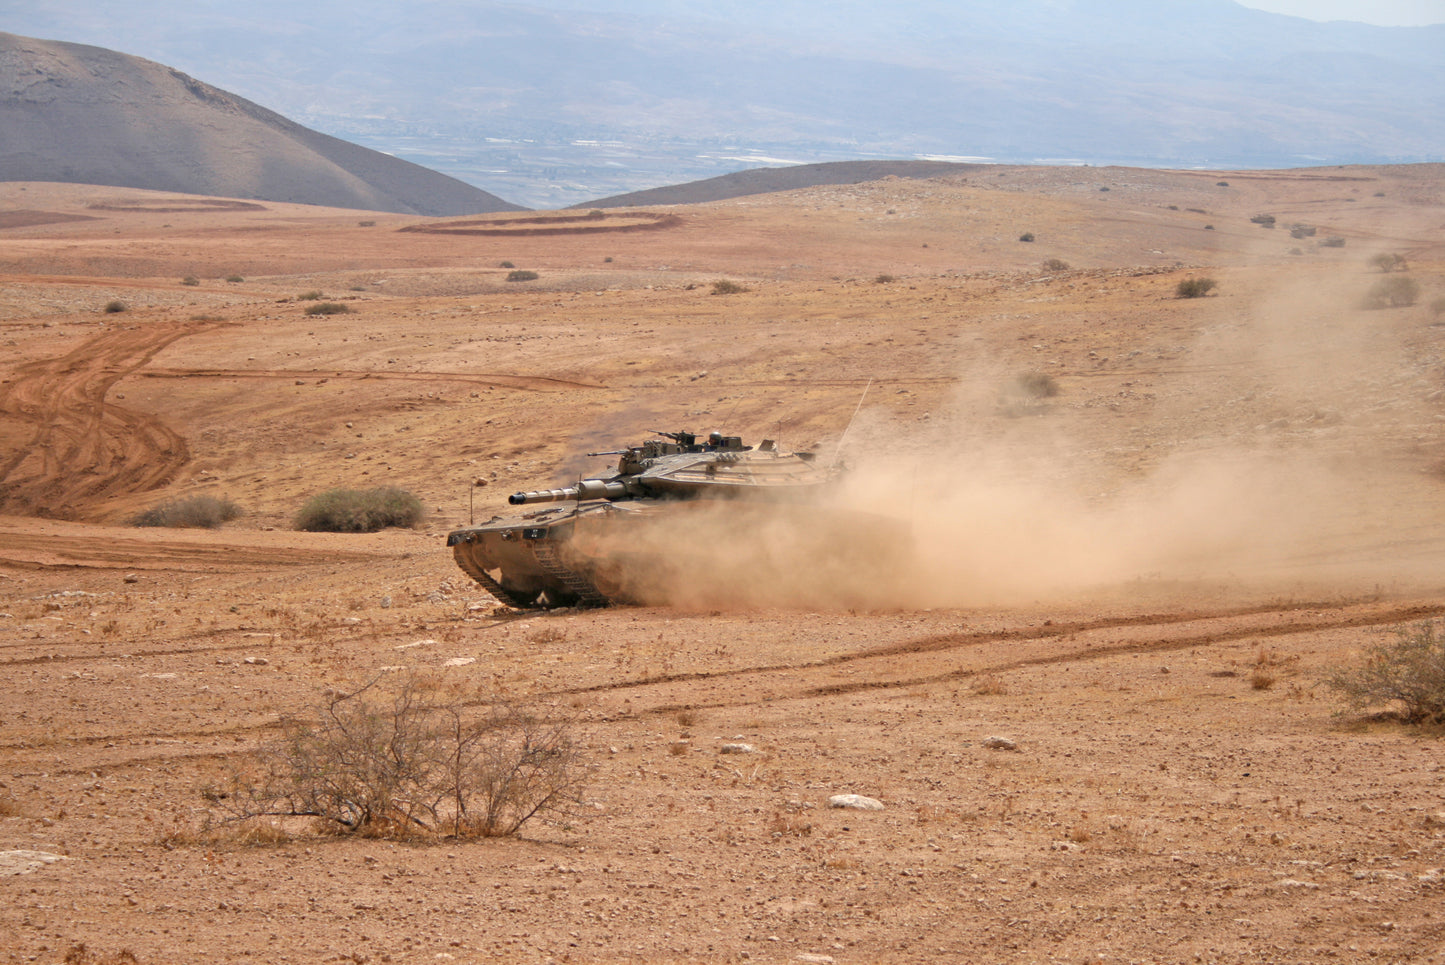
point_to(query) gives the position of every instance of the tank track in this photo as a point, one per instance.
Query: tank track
(586, 591)
(493, 587)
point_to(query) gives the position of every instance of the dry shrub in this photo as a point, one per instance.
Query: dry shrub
(990, 685)
(1034, 385)
(10, 808)
(1394, 292)
(726, 287)
(1408, 674)
(403, 761)
(204, 512)
(789, 825)
(80, 955)
(1195, 287)
(359, 511)
(328, 308)
(522, 274)
(1262, 678)
(1055, 264)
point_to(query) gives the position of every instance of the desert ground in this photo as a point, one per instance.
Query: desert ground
(1138, 584)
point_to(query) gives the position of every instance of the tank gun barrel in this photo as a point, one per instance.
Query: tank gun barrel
(586, 489)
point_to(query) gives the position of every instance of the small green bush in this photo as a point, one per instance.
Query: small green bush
(522, 274)
(327, 308)
(884, 279)
(506, 264)
(359, 511)
(1026, 236)
(726, 287)
(194, 512)
(310, 296)
(1408, 674)
(1333, 242)
(190, 280)
(234, 278)
(1263, 220)
(1194, 287)
(115, 307)
(1395, 292)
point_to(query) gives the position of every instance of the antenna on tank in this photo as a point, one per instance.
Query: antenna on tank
(839, 450)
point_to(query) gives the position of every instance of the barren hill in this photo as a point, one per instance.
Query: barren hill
(88, 115)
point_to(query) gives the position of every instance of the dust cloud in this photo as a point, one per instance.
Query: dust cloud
(1281, 454)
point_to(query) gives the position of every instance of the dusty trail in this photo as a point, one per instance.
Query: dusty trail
(80, 448)
(953, 657)
(525, 383)
(924, 661)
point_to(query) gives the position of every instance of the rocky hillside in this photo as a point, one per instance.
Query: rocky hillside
(88, 115)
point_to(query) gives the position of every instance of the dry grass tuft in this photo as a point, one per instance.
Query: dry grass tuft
(80, 955)
(990, 685)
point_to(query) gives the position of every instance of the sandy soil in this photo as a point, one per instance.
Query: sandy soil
(1139, 582)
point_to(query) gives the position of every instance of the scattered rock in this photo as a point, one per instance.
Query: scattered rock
(258, 661)
(459, 661)
(1000, 744)
(737, 749)
(130, 578)
(24, 862)
(386, 602)
(856, 802)
(810, 957)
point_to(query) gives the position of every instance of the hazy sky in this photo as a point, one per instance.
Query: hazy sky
(1389, 13)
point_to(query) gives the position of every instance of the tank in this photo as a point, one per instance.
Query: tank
(617, 538)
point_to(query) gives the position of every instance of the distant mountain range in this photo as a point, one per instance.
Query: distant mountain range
(552, 102)
(84, 114)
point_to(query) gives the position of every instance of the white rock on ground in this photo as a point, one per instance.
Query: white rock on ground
(855, 801)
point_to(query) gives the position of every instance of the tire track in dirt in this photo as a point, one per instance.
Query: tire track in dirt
(808, 681)
(531, 383)
(805, 680)
(51, 551)
(80, 448)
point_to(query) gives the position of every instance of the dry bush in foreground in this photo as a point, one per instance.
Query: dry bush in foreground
(359, 511)
(206, 512)
(1408, 673)
(404, 761)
